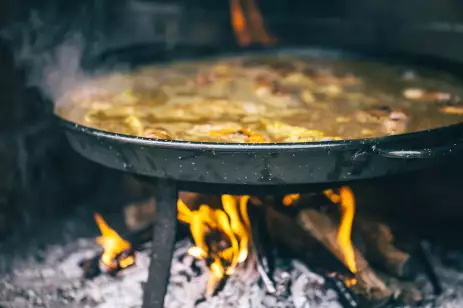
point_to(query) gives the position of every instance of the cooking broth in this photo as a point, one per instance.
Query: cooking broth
(260, 98)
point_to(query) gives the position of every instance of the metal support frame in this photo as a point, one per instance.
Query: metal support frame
(163, 243)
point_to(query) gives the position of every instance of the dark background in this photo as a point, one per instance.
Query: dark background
(42, 178)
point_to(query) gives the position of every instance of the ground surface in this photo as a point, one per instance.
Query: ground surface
(41, 270)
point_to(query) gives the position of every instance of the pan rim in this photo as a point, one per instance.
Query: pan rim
(246, 147)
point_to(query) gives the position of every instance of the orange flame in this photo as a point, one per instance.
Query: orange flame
(346, 200)
(241, 27)
(113, 245)
(290, 199)
(220, 236)
(239, 23)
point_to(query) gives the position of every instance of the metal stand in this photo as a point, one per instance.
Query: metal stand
(163, 243)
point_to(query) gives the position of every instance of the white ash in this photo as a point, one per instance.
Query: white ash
(57, 282)
(51, 277)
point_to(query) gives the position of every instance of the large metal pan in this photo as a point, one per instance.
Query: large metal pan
(264, 164)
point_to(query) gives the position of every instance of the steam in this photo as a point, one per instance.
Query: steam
(51, 49)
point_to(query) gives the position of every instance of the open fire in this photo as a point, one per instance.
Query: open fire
(222, 235)
(248, 23)
(117, 252)
(270, 248)
(232, 239)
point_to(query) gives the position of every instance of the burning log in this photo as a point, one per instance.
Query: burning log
(428, 265)
(118, 250)
(405, 293)
(367, 284)
(381, 251)
(310, 230)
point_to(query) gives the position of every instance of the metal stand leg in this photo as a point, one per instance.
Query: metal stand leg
(164, 231)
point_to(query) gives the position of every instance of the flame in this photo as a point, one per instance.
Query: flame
(239, 23)
(258, 22)
(113, 246)
(221, 236)
(241, 27)
(330, 194)
(290, 199)
(350, 282)
(346, 200)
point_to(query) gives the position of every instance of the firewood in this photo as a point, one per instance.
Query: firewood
(428, 266)
(405, 293)
(409, 294)
(262, 247)
(382, 253)
(140, 214)
(310, 229)
(320, 226)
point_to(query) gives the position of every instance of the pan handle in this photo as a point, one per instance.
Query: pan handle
(436, 152)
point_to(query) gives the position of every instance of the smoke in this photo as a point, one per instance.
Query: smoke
(50, 46)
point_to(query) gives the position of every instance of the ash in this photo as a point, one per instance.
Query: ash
(44, 272)
(56, 282)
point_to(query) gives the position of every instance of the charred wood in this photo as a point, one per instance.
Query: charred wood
(405, 293)
(311, 236)
(92, 267)
(381, 252)
(428, 264)
(262, 247)
(345, 295)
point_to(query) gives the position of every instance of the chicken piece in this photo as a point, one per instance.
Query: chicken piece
(396, 123)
